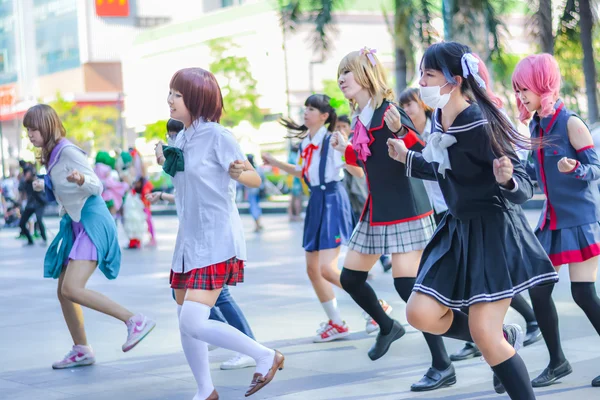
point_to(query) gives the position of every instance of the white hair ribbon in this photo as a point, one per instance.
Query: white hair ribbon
(470, 65)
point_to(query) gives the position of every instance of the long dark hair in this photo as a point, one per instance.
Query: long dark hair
(446, 57)
(322, 103)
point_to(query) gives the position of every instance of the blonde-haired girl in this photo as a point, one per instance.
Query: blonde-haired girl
(397, 217)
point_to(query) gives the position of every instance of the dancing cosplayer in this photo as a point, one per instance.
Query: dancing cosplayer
(397, 217)
(328, 222)
(484, 251)
(567, 169)
(205, 162)
(87, 237)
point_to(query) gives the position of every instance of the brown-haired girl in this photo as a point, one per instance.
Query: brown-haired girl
(397, 217)
(210, 250)
(87, 237)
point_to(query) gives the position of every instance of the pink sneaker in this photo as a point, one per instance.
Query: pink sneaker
(138, 327)
(79, 356)
(371, 325)
(330, 331)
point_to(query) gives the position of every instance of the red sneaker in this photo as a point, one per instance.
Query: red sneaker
(330, 331)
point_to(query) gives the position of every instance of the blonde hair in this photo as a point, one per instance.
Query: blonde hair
(43, 118)
(369, 76)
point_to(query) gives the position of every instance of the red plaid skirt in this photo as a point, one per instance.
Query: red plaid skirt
(212, 277)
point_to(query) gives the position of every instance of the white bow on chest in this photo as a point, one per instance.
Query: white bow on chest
(436, 150)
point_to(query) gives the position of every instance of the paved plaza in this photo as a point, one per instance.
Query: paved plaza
(283, 311)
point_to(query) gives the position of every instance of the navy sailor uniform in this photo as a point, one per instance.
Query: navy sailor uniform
(569, 227)
(329, 220)
(484, 249)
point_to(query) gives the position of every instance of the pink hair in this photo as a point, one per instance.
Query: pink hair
(485, 75)
(540, 74)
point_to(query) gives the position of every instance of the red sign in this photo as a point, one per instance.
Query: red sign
(8, 94)
(112, 8)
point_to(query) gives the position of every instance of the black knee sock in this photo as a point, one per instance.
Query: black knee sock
(439, 355)
(355, 283)
(515, 378)
(460, 327)
(522, 307)
(547, 319)
(584, 294)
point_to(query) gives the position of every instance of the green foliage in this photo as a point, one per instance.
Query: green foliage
(331, 89)
(90, 127)
(238, 86)
(502, 66)
(156, 131)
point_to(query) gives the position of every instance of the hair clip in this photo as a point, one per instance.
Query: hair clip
(369, 53)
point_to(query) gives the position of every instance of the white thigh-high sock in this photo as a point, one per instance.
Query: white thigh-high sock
(195, 323)
(332, 311)
(196, 354)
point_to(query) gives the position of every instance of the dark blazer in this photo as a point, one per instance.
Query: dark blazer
(393, 197)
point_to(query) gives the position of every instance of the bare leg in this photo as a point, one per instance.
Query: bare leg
(73, 289)
(73, 315)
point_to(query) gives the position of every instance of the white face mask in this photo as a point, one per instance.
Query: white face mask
(432, 97)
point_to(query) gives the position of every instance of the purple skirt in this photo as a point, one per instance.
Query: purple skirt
(83, 248)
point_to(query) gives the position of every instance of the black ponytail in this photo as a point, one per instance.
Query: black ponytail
(447, 58)
(322, 103)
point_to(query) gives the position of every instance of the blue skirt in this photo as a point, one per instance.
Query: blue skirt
(329, 220)
(570, 245)
(482, 259)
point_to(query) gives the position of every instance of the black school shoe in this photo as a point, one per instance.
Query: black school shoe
(383, 342)
(596, 381)
(551, 375)
(469, 351)
(533, 334)
(435, 379)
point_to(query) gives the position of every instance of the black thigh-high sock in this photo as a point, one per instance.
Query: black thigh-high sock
(355, 283)
(584, 294)
(547, 319)
(515, 378)
(439, 355)
(522, 307)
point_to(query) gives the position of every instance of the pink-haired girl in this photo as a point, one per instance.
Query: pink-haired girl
(566, 169)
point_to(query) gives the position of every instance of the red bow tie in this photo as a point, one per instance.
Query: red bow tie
(307, 154)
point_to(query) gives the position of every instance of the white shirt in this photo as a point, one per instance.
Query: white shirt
(70, 196)
(365, 116)
(334, 167)
(436, 198)
(210, 227)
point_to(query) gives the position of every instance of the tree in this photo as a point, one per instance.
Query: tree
(237, 84)
(408, 14)
(157, 130)
(575, 39)
(586, 26)
(90, 127)
(540, 24)
(331, 89)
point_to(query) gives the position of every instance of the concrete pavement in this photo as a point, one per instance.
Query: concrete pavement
(283, 312)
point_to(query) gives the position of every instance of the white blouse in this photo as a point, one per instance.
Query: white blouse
(70, 196)
(334, 167)
(210, 228)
